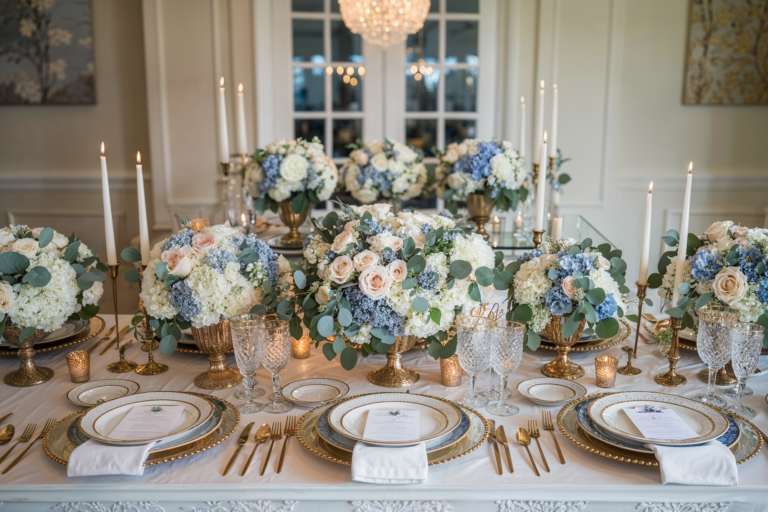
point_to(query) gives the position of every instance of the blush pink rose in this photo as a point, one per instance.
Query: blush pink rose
(568, 287)
(179, 262)
(365, 259)
(739, 231)
(398, 271)
(340, 269)
(375, 282)
(341, 241)
(204, 242)
(603, 263)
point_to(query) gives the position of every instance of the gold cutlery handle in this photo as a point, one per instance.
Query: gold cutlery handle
(282, 455)
(6, 417)
(559, 453)
(498, 457)
(16, 461)
(509, 458)
(6, 454)
(250, 458)
(535, 469)
(543, 458)
(266, 461)
(232, 460)
(108, 346)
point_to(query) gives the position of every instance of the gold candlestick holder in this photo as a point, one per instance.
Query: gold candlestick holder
(552, 161)
(537, 235)
(671, 379)
(629, 369)
(149, 343)
(225, 168)
(535, 179)
(122, 366)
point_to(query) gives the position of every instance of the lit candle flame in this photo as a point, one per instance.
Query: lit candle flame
(495, 220)
(138, 158)
(545, 136)
(221, 83)
(542, 84)
(650, 189)
(240, 89)
(102, 149)
(522, 100)
(555, 87)
(242, 216)
(690, 168)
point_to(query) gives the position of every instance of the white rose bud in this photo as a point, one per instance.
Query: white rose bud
(380, 162)
(717, 231)
(6, 237)
(323, 296)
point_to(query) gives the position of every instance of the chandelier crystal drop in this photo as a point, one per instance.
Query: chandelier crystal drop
(384, 22)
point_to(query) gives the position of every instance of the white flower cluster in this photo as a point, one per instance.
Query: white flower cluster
(384, 170)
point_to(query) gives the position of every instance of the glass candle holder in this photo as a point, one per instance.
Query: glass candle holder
(300, 347)
(197, 225)
(450, 371)
(605, 371)
(79, 363)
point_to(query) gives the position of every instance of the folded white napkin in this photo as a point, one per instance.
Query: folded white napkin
(706, 464)
(380, 465)
(93, 458)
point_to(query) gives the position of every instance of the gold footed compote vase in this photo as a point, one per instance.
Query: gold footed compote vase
(562, 367)
(29, 374)
(394, 375)
(480, 212)
(293, 220)
(215, 340)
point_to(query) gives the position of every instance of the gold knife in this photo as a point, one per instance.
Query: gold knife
(106, 335)
(650, 317)
(118, 337)
(240, 443)
(11, 414)
(502, 438)
(492, 439)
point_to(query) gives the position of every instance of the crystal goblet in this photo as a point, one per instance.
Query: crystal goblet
(714, 346)
(275, 339)
(474, 349)
(507, 340)
(256, 392)
(746, 344)
(245, 340)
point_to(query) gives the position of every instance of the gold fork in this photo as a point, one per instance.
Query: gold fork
(25, 436)
(277, 434)
(48, 426)
(533, 428)
(104, 337)
(546, 423)
(290, 430)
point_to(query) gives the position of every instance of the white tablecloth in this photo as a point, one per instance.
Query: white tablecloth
(586, 482)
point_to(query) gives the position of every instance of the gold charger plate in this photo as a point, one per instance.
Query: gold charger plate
(748, 446)
(597, 344)
(95, 326)
(309, 438)
(59, 447)
(684, 343)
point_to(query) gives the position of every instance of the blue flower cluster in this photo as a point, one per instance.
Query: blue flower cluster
(330, 255)
(376, 312)
(748, 260)
(271, 167)
(374, 227)
(183, 299)
(426, 228)
(528, 256)
(607, 309)
(705, 266)
(268, 260)
(479, 165)
(179, 240)
(568, 264)
(445, 214)
(450, 237)
(219, 259)
(762, 290)
(388, 256)
(381, 180)
(557, 302)
(428, 280)
(307, 241)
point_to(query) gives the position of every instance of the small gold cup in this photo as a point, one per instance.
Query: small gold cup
(79, 363)
(300, 347)
(605, 371)
(450, 371)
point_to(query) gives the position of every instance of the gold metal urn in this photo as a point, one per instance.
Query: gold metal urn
(216, 341)
(293, 220)
(480, 212)
(393, 375)
(562, 367)
(29, 374)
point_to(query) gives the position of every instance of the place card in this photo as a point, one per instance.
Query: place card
(656, 422)
(392, 425)
(147, 422)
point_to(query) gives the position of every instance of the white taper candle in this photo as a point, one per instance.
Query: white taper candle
(540, 189)
(143, 228)
(539, 129)
(553, 128)
(682, 246)
(222, 118)
(521, 147)
(645, 250)
(242, 139)
(109, 229)
(557, 228)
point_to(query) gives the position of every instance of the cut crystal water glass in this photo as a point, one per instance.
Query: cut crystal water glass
(746, 345)
(474, 349)
(245, 340)
(714, 346)
(256, 392)
(507, 339)
(275, 339)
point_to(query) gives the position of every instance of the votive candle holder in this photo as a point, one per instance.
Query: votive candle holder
(197, 225)
(79, 363)
(605, 371)
(450, 371)
(300, 347)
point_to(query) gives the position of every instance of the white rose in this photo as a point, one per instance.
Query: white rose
(222, 231)
(6, 297)
(374, 146)
(383, 240)
(404, 153)
(396, 167)
(375, 282)
(323, 295)
(283, 266)
(26, 246)
(343, 239)
(603, 263)
(398, 271)
(359, 156)
(380, 162)
(179, 262)
(36, 233)
(281, 192)
(232, 271)
(730, 285)
(366, 195)
(340, 269)
(294, 167)
(462, 149)
(717, 231)
(451, 155)
(501, 166)
(350, 178)
(60, 241)
(6, 237)
(456, 180)
(365, 259)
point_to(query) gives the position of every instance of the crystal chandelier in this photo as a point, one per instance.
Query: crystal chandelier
(384, 22)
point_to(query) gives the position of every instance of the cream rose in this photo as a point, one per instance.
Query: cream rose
(718, 230)
(375, 282)
(59, 240)
(340, 269)
(603, 263)
(179, 262)
(398, 271)
(568, 287)
(739, 231)
(283, 265)
(404, 153)
(6, 237)
(365, 259)
(323, 295)
(350, 178)
(359, 156)
(26, 246)
(204, 242)
(6, 297)
(294, 167)
(380, 162)
(36, 233)
(343, 239)
(451, 155)
(730, 285)
(381, 241)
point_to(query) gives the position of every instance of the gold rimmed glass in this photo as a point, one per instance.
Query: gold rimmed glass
(245, 340)
(746, 344)
(275, 340)
(474, 349)
(714, 346)
(507, 341)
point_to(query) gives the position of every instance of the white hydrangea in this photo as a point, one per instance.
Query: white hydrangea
(93, 294)
(154, 294)
(531, 283)
(48, 307)
(281, 191)
(541, 317)
(363, 336)
(603, 279)
(749, 306)
(474, 250)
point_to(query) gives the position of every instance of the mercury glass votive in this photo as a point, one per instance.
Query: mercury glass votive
(450, 371)
(197, 225)
(300, 347)
(79, 363)
(605, 371)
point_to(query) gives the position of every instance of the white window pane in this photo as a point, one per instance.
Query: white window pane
(308, 89)
(461, 42)
(461, 90)
(345, 46)
(308, 41)
(347, 88)
(421, 133)
(423, 45)
(421, 90)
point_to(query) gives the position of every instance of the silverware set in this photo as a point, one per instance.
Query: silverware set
(264, 433)
(524, 437)
(28, 435)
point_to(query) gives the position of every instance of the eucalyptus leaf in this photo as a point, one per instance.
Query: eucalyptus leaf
(70, 253)
(449, 348)
(474, 292)
(325, 326)
(339, 345)
(328, 351)
(416, 264)
(348, 358)
(131, 255)
(607, 328)
(421, 304)
(12, 263)
(345, 317)
(46, 235)
(460, 269)
(300, 279)
(132, 276)
(435, 314)
(484, 276)
(38, 277)
(533, 340)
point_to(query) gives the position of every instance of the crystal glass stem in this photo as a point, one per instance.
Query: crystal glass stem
(503, 395)
(742, 384)
(276, 387)
(472, 379)
(711, 383)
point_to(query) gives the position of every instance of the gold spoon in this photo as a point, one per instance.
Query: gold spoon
(7, 434)
(524, 439)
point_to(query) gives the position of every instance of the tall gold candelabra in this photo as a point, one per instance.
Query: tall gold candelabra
(121, 366)
(671, 379)
(151, 367)
(629, 369)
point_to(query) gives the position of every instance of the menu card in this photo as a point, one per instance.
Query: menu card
(147, 422)
(656, 422)
(392, 425)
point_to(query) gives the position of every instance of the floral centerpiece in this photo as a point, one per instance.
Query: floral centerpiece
(384, 170)
(725, 266)
(370, 277)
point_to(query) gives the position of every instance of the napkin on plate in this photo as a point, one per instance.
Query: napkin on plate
(707, 464)
(382, 465)
(93, 458)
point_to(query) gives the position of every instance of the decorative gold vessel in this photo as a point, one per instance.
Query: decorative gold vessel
(29, 374)
(393, 375)
(293, 220)
(215, 341)
(562, 367)
(480, 212)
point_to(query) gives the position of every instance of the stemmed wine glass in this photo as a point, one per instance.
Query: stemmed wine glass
(275, 339)
(507, 339)
(746, 345)
(474, 349)
(255, 391)
(245, 340)
(714, 346)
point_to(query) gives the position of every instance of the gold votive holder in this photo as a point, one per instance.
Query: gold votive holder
(450, 371)
(605, 371)
(197, 225)
(79, 363)
(300, 347)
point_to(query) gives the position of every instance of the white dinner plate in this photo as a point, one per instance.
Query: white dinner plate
(101, 420)
(608, 413)
(100, 391)
(314, 392)
(69, 328)
(436, 418)
(551, 392)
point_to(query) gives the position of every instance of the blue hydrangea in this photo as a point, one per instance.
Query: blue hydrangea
(375, 312)
(748, 260)
(374, 227)
(380, 180)
(557, 302)
(450, 237)
(480, 164)
(445, 214)
(528, 256)
(388, 256)
(705, 266)
(179, 240)
(568, 264)
(762, 290)
(607, 309)
(219, 258)
(428, 280)
(307, 241)
(271, 167)
(268, 260)
(183, 299)
(426, 228)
